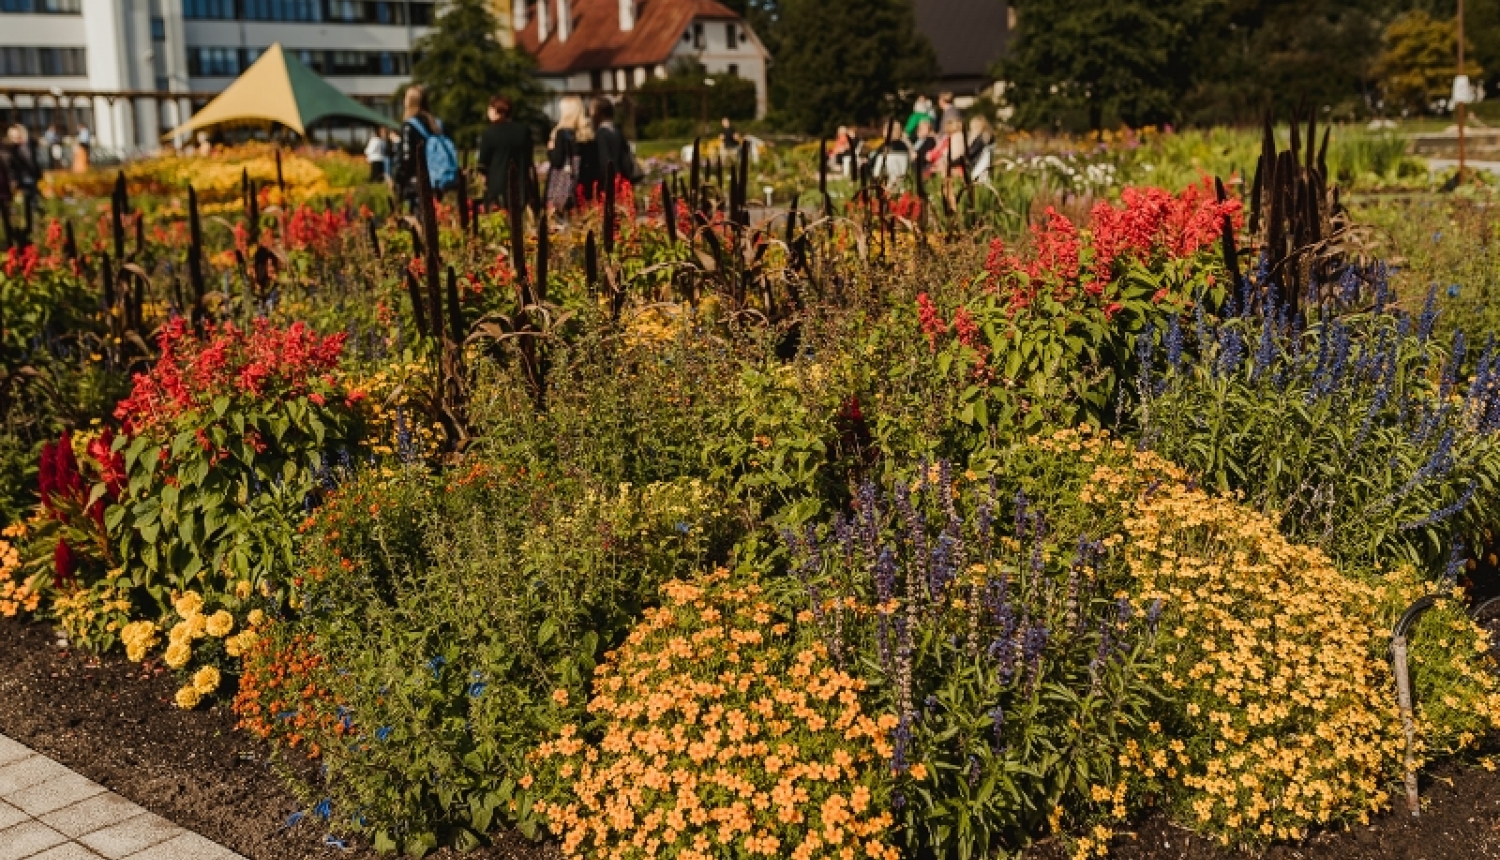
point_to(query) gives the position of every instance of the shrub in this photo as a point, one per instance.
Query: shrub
(1020, 682)
(714, 733)
(1280, 707)
(444, 613)
(225, 441)
(1355, 431)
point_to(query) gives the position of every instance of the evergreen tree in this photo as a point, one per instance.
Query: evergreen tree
(462, 65)
(846, 62)
(1116, 61)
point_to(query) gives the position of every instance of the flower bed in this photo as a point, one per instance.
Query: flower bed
(441, 535)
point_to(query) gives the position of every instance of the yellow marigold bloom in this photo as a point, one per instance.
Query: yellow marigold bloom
(206, 680)
(188, 603)
(178, 654)
(255, 618)
(243, 589)
(219, 624)
(188, 698)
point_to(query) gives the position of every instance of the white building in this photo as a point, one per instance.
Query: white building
(614, 46)
(363, 47)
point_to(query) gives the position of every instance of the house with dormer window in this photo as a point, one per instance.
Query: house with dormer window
(615, 46)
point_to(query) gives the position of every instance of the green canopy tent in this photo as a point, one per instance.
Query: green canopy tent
(278, 88)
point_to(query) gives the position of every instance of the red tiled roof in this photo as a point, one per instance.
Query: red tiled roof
(597, 42)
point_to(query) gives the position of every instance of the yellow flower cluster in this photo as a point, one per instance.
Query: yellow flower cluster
(390, 392)
(721, 737)
(86, 614)
(1271, 653)
(15, 596)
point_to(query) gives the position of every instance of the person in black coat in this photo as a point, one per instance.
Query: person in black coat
(613, 148)
(504, 144)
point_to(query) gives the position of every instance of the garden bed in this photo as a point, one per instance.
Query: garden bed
(114, 722)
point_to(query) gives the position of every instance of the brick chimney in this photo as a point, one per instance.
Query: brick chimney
(627, 15)
(564, 20)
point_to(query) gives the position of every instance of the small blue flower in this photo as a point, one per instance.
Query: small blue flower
(286, 715)
(324, 809)
(683, 528)
(293, 820)
(334, 842)
(382, 733)
(1453, 291)
(476, 689)
(436, 664)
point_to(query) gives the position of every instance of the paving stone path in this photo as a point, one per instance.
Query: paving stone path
(48, 812)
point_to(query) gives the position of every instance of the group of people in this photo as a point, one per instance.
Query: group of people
(935, 138)
(582, 146)
(941, 142)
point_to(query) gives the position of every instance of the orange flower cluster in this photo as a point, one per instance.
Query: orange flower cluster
(721, 736)
(280, 695)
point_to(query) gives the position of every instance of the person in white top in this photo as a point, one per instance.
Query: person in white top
(375, 153)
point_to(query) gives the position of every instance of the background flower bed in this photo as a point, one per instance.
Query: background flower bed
(408, 555)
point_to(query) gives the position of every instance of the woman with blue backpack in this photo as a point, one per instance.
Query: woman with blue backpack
(423, 132)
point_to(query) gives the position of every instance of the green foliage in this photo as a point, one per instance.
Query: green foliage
(218, 496)
(449, 611)
(839, 63)
(1122, 59)
(689, 94)
(462, 65)
(1018, 680)
(1358, 434)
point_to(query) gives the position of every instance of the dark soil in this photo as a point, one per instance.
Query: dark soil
(116, 724)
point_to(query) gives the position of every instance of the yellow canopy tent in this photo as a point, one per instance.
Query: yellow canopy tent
(278, 88)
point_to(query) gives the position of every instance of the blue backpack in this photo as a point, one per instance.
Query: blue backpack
(442, 157)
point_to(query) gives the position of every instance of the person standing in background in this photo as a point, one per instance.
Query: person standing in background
(947, 112)
(375, 154)
(613, 147)
(921, 110)
(24, 171)
(81, 150)
(571, 139)
(506, 144)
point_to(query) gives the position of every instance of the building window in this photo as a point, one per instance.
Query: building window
(158, 30)
(421, 14)
(698, 40)
(282, 10)
(44, 7)
(687, 36)
(214, 62)
(734, 70)
(596, 81)
(208, 10)
(731, 36)
(42, 62)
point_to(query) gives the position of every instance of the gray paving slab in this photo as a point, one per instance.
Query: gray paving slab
(26, 839)
(96, 813)
(27, 772)
(12, 750)
(54, 794)
(10, 816)
(66, 851)
(48, 812)
(188, 846)
(130, 837)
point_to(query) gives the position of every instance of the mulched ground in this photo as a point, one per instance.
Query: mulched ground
(118, 726)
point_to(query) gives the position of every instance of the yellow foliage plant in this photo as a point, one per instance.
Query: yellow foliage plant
(716, 733)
